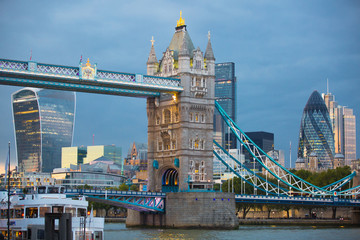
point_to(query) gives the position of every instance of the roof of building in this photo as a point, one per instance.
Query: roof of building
(315, 102)
(339, 155)
(300, 160)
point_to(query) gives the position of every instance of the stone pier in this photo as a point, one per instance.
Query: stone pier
(190, 210)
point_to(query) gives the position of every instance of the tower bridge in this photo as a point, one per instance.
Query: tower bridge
(180, 106)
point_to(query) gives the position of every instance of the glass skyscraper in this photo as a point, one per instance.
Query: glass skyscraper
(44, 123)
(344, 128)
(225, 94)
(316, 133)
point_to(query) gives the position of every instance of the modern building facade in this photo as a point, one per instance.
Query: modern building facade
(225, 94)
(316, 135)
(265, 141)
(44, 123)
(81, 155)
(343, 123)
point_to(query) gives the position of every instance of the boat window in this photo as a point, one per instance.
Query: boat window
(19, 213)
(4, 213)
(53, 190)
(40, 234)
(31, 212)
(44, 210)
(41, 190)
(62, 190)
(29, 233)
(98, 235)
(71, 210)
(81, 212)
(57, 209)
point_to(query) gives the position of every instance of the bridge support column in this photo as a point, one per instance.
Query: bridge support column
(355, 216)
(191, 210)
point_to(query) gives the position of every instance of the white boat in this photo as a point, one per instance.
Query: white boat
(27, 214)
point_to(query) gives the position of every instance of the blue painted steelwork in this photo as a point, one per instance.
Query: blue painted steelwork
(32, 74)
(247, 174)
(139, 201)
(279, 172)
(332, 201)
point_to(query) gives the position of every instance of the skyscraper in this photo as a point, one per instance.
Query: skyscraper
(344, 128)
(225, 94)
(44, 123)
(316, 132)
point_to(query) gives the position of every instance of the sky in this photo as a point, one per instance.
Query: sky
(282, 50)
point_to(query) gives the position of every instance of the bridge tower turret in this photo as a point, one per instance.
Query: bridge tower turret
(180, 127)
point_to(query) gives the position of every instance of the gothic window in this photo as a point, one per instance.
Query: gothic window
(173, 144)
(157, 120)
(190, 143)
(193, 81)
(196, 117)
(160, 145)
(203, 118)
(176, 117)
(192, 169)
(166, 143)
(201, 144)
(198, 82)
(202, 171)
(198, 64)
(191, 117)
(203, 82)
(165, 68)
(196, 143)
(167, 116)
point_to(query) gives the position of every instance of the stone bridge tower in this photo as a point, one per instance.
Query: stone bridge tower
(180, 127)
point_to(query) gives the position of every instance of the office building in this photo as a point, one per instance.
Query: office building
(263, 140)
(225, 94)
(44, 123)
(82, 155)
(316, 135)
(343, 123)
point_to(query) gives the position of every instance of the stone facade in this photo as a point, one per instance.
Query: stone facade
(189, 210)
(180, 127)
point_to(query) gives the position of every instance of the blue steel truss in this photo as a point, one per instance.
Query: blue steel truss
(32, 74)
(313, 201)
(139, 201)
(293, 182)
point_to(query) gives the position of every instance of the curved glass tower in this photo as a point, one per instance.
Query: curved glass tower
(44, 123)
(316, 133)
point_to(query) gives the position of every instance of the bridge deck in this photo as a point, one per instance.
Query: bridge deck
(32, 74)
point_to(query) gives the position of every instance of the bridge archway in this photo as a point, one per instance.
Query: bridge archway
(170, 180)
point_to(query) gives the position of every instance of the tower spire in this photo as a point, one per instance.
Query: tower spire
(327, 85)
(181, 21)
(209, 54)
(152, 56)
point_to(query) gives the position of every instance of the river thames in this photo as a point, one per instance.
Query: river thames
(115, 231)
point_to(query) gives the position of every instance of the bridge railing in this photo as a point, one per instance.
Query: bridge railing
(113, 192)
(36, 68)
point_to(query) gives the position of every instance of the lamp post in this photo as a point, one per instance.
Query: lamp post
(8, 212)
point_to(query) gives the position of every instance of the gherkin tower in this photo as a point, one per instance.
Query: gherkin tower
(316, 133)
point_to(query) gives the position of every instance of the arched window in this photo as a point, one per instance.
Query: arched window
(167, 116)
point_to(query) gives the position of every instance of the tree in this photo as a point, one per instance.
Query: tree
(134, 187)
(123, 187)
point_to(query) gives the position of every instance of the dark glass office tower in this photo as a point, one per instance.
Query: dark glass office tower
(263, 140)
(316, 133)
(44, 123)
(225, 94)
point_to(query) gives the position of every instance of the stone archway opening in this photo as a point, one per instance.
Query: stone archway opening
(170, 180)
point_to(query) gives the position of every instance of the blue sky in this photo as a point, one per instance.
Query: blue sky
(283, 50)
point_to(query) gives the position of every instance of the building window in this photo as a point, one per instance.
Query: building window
(157, 120)
(191, 117)
(173, 144)
(196, 117)
(167, 116)
(190, 143)
(160, 146)
(196, 144)
(203, 118)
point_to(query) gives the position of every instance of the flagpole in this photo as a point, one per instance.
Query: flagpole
(8, 212)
